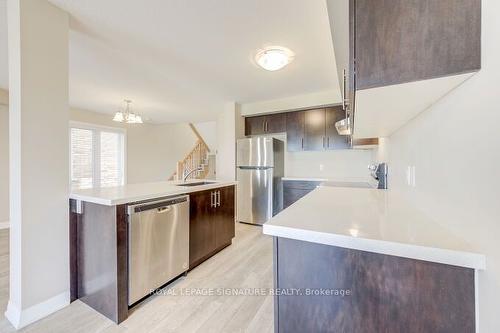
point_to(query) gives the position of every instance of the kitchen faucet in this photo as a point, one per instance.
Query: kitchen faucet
(186, 175)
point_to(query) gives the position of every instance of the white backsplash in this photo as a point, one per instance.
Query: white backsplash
(346, 165)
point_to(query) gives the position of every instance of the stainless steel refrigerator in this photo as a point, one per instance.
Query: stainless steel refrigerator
(260, 168)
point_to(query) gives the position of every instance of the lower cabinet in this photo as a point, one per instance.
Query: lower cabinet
(293, 190)
(211, 226)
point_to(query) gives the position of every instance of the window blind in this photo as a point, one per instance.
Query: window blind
(97, 157)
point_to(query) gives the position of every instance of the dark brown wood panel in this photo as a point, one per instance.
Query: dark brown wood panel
(314, 129)
(292, 195)
(73, 250)
(450, 37)
(276, 123)
(224, 217)
(398, 41)
(333, 139)
(122, 261)
(387, 293)
(102, 252)
(255, 125)
(211, 228)
(201, 226)
(301, 184)
(295, 130)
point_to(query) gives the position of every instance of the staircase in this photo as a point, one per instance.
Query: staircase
(197, 158)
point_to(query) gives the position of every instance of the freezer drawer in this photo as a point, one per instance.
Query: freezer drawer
(255, 195)
(158, 244)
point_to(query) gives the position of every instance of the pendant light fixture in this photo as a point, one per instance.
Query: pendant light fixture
(127, 116)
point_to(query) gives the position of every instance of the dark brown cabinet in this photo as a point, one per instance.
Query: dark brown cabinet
(428, 39)
(381, 44)
(314, 129)
(273, 123)
(211, 226)
(255, 125)
(224, 216)
(333, 139)
(295, 122)
(293, 190)
(276, 123)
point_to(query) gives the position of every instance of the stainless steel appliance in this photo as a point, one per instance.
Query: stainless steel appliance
(379, 172)
(158, 244)
(260, 167)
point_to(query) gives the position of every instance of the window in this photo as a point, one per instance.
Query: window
(97, 156)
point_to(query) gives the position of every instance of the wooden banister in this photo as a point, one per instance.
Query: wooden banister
(200, 138)
(196, 158)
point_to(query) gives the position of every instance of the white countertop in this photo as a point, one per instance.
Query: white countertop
(335, 182)
(371, 220)
(306, 179)
(111, 196)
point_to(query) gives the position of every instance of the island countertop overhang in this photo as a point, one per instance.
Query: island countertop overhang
(375, 221)
(119, 195)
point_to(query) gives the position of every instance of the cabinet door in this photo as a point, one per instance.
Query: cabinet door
(275, 123)
(314, 137)
(333, 139)
(255, 125)
(224, 216)
(295, 131)
(201, 226)
(426, 39)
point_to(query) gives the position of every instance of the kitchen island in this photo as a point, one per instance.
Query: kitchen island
(364, 260)
(101, 237)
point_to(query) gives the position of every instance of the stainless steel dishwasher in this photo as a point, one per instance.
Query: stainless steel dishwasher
(158, 244)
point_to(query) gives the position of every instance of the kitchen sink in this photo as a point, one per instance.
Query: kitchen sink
(196, 184)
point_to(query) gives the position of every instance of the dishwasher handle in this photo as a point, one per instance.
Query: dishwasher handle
(162, 206)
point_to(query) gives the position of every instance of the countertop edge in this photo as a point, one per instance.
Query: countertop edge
(431, 254)
(122, 201)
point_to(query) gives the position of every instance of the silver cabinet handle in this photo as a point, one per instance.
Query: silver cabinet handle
(328, 142)
(218, 198)
(302, 143)
(323, 142)
(212, 199)
(263, 126)
(267, 126)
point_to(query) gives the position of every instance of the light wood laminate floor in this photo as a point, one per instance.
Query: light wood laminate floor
(245, 266)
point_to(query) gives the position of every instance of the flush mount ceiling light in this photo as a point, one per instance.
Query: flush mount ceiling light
(274, 58)
(127, 116)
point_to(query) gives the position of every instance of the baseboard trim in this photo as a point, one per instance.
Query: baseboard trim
(20, 319)
(4, 225)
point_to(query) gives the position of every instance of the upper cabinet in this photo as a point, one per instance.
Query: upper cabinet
(396, 58)
(268, 124)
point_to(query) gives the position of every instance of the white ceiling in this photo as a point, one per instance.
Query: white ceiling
(181, 60)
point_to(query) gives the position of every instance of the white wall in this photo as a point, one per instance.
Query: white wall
(208, 131)
(4, 163)
(455, 148)
(39, 155)
(316, 99)
(153, 151)
(343, 165)
(230, 127)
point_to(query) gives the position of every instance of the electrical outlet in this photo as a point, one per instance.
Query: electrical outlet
(413, 176)
(408, 175)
